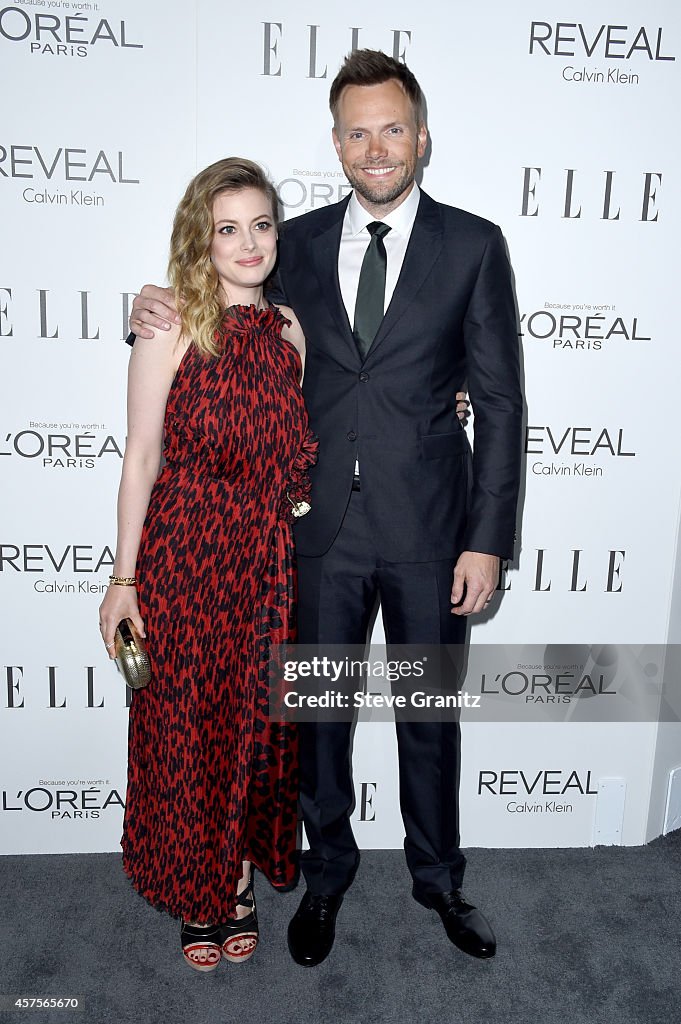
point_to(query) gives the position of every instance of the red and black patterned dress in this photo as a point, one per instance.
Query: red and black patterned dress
(211, 781)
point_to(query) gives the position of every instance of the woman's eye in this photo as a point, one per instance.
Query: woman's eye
(263, 225)
(227, 229)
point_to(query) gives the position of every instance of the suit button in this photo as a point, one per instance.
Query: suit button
(352, 436)
(364, 376)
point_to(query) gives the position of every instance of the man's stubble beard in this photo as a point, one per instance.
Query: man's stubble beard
(381, 195)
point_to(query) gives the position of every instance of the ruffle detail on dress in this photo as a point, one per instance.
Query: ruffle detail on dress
(296, 500)
(241, 319)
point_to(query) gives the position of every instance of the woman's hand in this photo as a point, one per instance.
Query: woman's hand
(119, 603)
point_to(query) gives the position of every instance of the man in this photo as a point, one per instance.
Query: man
(401, 299)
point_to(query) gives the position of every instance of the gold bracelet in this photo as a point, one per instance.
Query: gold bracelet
(123, 581)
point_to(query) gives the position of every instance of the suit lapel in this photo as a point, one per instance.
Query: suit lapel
(425, 245)
(324, 249)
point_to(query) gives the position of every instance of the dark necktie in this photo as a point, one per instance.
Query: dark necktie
(371, 289)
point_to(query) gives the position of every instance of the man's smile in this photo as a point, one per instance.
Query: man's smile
(377, 172)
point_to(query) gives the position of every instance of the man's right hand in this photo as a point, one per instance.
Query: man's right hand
(153, 307)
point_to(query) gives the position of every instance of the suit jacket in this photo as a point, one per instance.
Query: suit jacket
(451, 320)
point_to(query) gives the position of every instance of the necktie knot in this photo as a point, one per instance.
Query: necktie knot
(378, 228)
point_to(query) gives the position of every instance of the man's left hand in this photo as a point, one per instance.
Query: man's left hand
(476, 575)
(463, 407)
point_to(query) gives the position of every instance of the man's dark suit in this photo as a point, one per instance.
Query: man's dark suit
(424, 498)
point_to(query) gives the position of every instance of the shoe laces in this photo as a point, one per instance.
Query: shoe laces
(319, 905)
(456, 898)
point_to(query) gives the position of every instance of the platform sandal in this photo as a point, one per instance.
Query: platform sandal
(239, 935)
(201, 945)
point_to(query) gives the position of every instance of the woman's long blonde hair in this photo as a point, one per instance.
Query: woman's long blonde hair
(190, 270)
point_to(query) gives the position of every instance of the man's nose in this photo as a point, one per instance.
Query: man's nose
(376, 147)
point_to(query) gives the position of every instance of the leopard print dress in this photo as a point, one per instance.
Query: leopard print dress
(211, 780)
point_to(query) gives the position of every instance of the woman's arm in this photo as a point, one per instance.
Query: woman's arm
(153, 364)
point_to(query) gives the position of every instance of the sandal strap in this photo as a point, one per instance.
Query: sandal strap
(192, 934)
(238, 929)
(246, 898)
(235, 925)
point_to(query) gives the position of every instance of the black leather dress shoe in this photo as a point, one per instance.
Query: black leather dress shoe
(313, 928)
(465, 925)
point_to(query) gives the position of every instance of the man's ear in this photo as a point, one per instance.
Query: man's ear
(336, 143)
(422, 138)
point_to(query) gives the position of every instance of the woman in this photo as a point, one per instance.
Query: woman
(212, 782)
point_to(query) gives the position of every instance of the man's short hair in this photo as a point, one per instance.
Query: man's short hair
(372, 67)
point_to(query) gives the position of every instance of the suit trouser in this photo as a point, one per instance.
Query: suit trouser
(337, 594)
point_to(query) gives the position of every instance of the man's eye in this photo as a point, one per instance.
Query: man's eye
(395, 131)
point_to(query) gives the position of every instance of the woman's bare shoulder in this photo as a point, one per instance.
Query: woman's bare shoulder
(165, 346)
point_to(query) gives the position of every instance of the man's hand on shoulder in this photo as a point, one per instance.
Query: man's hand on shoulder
(475, 579)
(153, 307)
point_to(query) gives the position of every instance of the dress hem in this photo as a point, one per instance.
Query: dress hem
(171, 907)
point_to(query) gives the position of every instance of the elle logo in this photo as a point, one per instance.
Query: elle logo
(54, 697)
(572, 205)
(273, 38)
(545, 565)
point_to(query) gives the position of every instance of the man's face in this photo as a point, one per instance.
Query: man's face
(378, 142)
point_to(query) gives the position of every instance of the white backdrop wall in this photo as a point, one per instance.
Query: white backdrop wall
(560, 132)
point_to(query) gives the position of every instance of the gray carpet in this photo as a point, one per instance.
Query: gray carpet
(584, 936)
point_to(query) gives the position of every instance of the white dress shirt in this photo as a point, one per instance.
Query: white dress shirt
(354, 242)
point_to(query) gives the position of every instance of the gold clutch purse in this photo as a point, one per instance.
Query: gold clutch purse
(131, 655)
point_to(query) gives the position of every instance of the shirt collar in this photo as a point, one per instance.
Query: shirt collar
(401, 220)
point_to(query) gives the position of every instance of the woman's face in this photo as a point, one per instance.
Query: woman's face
(244, 248)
